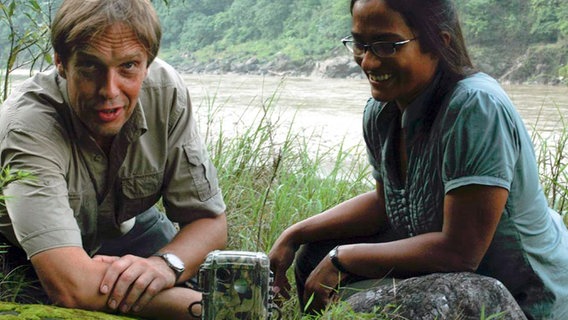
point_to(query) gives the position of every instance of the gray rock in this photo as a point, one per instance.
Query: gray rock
(342, 66)
(441, 296)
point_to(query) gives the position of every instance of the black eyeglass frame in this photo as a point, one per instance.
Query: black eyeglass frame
(393, 44)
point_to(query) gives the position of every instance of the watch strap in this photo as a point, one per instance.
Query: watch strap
(333, 256)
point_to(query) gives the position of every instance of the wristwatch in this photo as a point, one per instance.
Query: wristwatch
(335, 260)
(173, 262)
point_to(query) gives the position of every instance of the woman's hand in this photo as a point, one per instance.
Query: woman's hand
(322, 286)
(281, 257)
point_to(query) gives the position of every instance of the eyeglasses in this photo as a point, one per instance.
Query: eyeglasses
(381, 49)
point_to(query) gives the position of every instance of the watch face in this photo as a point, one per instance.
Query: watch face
(174, 261)
(333, 253)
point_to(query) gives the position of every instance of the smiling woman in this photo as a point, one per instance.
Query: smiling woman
(457, 185)
(401, 75)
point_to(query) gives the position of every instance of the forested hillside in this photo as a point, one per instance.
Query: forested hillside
(519, 40)
(514, 40)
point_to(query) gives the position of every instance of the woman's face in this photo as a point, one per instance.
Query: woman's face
(402, 76)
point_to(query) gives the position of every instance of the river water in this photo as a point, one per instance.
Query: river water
(330, 110)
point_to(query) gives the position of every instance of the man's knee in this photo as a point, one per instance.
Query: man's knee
(151, 232)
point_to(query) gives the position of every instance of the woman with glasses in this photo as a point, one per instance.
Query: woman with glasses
(457, 187)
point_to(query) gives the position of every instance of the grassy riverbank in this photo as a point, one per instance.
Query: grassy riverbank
(270, 184)
(272, 177)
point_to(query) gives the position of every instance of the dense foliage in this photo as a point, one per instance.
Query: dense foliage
(498, 32)
(313, 27)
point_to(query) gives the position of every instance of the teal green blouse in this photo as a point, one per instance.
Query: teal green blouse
(475, 136)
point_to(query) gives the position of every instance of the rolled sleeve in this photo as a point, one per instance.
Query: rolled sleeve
(483, 145)
(38, 207)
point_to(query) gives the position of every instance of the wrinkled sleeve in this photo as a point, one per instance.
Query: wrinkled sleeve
(38, 206)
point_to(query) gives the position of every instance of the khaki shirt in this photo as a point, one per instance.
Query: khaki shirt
(78, 196)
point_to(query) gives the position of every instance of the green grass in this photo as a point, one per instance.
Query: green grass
(272, 177)
(11, 281)
(552, 156)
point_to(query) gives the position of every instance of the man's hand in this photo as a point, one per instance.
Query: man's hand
(133, 281)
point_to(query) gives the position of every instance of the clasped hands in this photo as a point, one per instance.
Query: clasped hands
(131, 281)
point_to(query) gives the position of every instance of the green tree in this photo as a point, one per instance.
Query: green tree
(203, 30)
(270, 16)
(192, 21)
(25, 37)
(546, 20)
(238, 23)
(563, 20)
(496, 23)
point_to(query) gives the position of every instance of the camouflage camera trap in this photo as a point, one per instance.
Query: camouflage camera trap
(236, 285)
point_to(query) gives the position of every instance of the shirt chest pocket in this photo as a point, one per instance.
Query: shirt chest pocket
(140, 193)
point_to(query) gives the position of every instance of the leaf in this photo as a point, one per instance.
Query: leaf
(11, 9)
(35, 5)
(12, 57)
(48, 58)
(309, 302)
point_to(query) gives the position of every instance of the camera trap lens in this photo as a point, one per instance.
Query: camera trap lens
(224, 274)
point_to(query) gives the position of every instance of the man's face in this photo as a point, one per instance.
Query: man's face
(104, 79)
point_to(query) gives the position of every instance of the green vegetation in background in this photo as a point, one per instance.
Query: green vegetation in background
(24, 26)
(241, 29)
(315, 26)
(552, 157)
(499, 33)
(11, 282)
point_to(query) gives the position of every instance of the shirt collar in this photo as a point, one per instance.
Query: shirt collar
(415, 112)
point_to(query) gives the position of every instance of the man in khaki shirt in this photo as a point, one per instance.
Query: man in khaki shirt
(106, 135)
